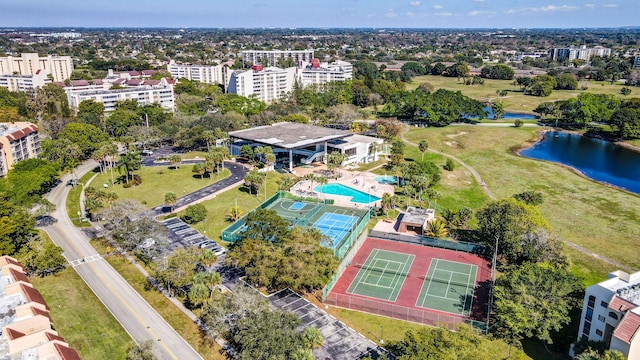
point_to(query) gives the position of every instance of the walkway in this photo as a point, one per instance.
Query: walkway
(487, 191)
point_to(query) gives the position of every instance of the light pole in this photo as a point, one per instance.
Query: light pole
(381, 330)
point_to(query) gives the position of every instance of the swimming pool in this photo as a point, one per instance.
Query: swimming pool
(357, 196)
(386, 179)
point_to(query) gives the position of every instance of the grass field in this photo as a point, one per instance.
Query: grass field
(600, 218)
(219, 207)
(516, 100)
(208, 349)
(157, 181)
(80, 317)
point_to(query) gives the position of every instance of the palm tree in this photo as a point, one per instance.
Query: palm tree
(210, 166)
(130, 162)
(110, 197)
(234, 214)
(437, 229)
(99, 155)
(312, 338)
(200, 169)
(311, 178)
(170, 199)
(111, 151)
(322, 180)
(175, 160)
(423, 146)
(199, 293)
(386, 202)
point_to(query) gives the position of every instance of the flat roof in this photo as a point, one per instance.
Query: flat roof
(289, 135)
(415, 215)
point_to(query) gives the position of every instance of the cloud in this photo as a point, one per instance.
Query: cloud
(610, 5)
(410, 14)
(543, 9)
(590, 6)
(443, 14)
(478, 12)
(415, 3)
(391, 13)
(477, 0)
(437, 7)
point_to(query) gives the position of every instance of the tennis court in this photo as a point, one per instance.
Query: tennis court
(382, 275)
(293, 210)
(448, 287)
(335, 226)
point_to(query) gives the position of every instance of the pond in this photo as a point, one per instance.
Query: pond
(509, 115)
(597, 159)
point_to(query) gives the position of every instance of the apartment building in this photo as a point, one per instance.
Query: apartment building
(209, 74)
(27, 327)
(265, 84)
(315, 72)
(143, 91)
(18, 141)
(611, 313)
(584, 53)
(270, 57)
(59, 67)
(24, 82)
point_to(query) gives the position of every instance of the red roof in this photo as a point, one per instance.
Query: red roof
(79, 83)
(51, 336)
(18, 276)
(37, 311)
(97, 81)
(14, 334)
(12, 261)
(19, 134)
(135, 82)
(33, 295)
(152, 82)
(619, 304)
(67, 353)
(148, 72)
(627, 327)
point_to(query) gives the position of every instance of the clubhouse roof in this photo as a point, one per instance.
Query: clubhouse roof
(288, 135)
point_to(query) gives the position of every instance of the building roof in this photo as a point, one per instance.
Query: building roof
(417, 216)
(628, 327)
(289, 135)
(16, 131)
(619, 304)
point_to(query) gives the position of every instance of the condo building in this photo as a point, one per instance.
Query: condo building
(59, 67)
(270, 57)
(209, 74)
(18, 141)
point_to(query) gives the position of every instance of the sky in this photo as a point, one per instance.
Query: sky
(321, 13)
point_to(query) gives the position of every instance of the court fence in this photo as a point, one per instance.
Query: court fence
(344, 263)
(424, 317)
(467, 247)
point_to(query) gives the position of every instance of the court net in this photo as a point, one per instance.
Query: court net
(446, 281)
(382, 270)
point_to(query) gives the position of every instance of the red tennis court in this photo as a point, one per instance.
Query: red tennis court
(411, 302)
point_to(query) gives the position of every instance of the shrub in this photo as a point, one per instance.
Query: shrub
(449, 165)
(194, 213)
(518, 123)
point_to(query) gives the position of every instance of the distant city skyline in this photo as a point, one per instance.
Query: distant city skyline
(322, 14)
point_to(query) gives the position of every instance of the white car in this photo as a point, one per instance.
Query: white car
(147, 152)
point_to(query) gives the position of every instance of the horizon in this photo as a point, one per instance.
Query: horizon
(331, 14)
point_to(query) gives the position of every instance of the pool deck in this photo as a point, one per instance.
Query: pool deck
(361, 181)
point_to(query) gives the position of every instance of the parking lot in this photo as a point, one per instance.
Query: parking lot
(180, 234)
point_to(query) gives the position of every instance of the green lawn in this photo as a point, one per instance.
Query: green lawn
(208, 349)
(73, 200)
(516, 100)
(600, 218)
(80, 317)
(218, 208)
(157, 181)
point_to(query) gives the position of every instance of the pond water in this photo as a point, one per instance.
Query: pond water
(597, 159)
(509, 115)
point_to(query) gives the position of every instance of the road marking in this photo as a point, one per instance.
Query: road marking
(85, 260)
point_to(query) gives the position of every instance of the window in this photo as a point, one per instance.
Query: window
(601, 318)
(589, 314)
(587, 327)
(604, 304)
(592, 301)
(613, 315)
(598, 332)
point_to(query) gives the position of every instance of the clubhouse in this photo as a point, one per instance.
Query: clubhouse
(296, 144)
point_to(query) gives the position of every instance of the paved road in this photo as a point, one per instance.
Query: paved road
(138, 318)
(237, 174)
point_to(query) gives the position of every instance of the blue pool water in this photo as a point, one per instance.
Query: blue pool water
(386, 179)
(357, 196)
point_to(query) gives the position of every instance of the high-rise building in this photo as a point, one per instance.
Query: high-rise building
(584, 53)
(209, 74)
(18, 141)
(24, 82)
(611, 313)
(264, 84)
(143, 91)
(315, 72)
(59, 67)
(270, 57)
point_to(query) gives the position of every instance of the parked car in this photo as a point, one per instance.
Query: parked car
(147, 152)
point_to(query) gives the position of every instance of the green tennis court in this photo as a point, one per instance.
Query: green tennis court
(382, 275)
(448, 287)
(293, 210)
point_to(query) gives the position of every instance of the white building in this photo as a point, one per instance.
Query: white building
(271, 57)
(24, 82)
(209, 74)
(584, 53)
(18, 141)
(264, 84)
(148, 92)
(611, 313)
(315, 73)
(59, 67)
